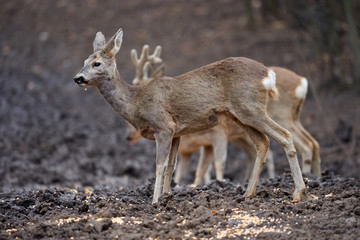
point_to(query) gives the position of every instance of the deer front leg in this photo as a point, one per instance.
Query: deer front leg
(171, 165)
(163, 147)
(206, 157)
(182, 165)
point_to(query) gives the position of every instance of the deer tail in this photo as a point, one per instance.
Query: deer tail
(269, 83)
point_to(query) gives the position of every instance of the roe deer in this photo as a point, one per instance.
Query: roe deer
(214, 138)
(167, 108)
(286, 112)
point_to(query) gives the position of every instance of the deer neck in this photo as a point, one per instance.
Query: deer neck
(119, 94)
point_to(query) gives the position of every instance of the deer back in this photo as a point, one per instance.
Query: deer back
(195, 100)
(293, 89)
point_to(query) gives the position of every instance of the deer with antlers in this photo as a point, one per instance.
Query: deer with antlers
(214, 140)
(285, 111)
(169, 107)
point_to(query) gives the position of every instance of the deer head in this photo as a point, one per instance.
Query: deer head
(101, 65)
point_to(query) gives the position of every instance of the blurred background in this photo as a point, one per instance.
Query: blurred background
(55, 133)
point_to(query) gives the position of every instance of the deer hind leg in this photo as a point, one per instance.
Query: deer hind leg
(207, 176)
(171, 165)
(163, 147)
(182, 165)
(261, 143)
(220, 142)
(263, 123)
(270, 163)
(250, 152)
(305, 147)
(284, 138)
(206, 157)
(302, 144)
(316, 160)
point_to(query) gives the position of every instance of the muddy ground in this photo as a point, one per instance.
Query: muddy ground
(67, 171)
(214, 211)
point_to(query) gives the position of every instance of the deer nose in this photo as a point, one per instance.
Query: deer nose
(79, 80)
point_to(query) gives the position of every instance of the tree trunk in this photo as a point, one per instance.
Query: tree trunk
(353, 38)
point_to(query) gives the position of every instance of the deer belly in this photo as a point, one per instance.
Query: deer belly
(200, 123)
(191, 143)
(148, 133)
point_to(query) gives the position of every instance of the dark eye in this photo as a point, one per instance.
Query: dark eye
(96, 64)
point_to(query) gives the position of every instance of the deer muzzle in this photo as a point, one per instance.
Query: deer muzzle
(80, 80)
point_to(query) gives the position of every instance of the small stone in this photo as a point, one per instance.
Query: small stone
(88, 227)
(357, 211)
(313, 184)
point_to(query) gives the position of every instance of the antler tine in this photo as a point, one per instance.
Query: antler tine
(134, 57)
(146, 73)
(158, 72)
(155, 57)
(145, 63)
(158, 50)
(139, 63)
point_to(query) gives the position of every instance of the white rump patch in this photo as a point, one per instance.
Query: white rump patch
(270, 81)
(302, 89)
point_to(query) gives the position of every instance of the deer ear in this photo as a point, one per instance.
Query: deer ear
(113, 46)
(99, 41)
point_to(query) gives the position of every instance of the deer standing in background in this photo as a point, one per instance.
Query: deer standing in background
(167, 108)
(286, 111)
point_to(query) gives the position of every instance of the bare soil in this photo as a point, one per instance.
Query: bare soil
(214, 211)
(67, 171)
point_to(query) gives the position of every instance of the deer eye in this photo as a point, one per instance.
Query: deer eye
(96, 64)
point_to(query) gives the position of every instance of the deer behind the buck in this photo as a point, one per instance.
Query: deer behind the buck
(168, 108)
(286, 112)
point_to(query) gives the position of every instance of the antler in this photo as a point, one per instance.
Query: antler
(144, 65)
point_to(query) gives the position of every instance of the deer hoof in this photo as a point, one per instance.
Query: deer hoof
(248, 195)
(298, 195)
